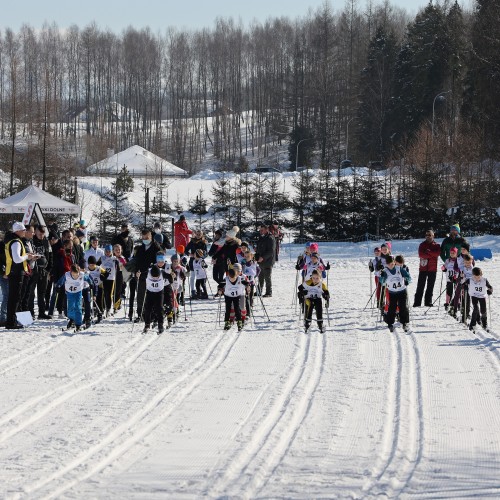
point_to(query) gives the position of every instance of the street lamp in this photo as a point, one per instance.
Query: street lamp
(347, 136)
(297, 151)
(433, 111)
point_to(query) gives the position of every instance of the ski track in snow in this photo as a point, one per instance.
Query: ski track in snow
(269, 412)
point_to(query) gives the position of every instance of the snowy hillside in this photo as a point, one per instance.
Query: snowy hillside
(265, 413)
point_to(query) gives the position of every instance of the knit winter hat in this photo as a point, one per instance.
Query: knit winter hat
(231, 234)
(91, 260)
(376, 249)
(315, 254)
(108, 248)
(387, 244)
(80, 233)
(454, 249)
(18, 226)
(313, 247)
(456, 228)
(181, 248)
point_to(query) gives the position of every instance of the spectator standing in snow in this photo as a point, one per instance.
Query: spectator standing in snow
(181, 232)
(428, 252)
(265, 255)
(453, 240)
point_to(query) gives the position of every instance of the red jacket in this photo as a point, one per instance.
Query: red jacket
(429, 254)
(181, 233)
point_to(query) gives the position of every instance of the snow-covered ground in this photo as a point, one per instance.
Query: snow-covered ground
(266, 413)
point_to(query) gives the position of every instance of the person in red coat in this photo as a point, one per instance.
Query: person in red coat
(428, 252)
(181, 232)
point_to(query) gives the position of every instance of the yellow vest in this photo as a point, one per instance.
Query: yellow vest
(8, 256)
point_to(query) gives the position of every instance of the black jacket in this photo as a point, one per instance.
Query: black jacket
(228, 251)
(42, 247)
(266, 248)
(127, 245)
(145, 258)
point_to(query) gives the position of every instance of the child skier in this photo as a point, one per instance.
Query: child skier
(315, 264)
(199, 269)
(396, 279)
(462, 299)
(153, 301)
(450, 267)
(179, 273)
(374, 266)
(98, 275)
(233, 288)
(73, 282)
(479, 287)
(110, 263)
(251, 271)
(311, 292)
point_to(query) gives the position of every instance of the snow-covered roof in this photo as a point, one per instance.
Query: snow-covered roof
(139, 162)
(17, 203)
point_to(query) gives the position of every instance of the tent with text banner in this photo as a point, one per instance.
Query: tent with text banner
(33, 201)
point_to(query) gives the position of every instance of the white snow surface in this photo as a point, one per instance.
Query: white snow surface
(269, 412)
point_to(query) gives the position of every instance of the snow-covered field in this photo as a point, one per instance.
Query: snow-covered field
(266, 413)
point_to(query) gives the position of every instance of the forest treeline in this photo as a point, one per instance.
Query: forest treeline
(420, 95)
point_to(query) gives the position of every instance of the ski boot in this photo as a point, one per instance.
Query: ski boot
(160, 330)
(484, 322)
(307, 324)
(70, 324)
(391, 328)
(227, 325)
(88, 323)
(78, 328)
(240, 325)
(146, 329)
(322, 328)
(130, 314)
(452, 312)
(406, 327)
(446, 307)
(99, 318)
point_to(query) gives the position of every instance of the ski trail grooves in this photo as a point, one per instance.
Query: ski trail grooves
(405, 434)
(250, 469)
(28, 354)
(391, 427)
(120, 359)
(141, 424)
(493, 352)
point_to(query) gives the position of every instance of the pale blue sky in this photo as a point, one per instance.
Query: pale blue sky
(159, 14)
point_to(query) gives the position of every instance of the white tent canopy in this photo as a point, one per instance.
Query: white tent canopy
(19, 202)
(139, 162)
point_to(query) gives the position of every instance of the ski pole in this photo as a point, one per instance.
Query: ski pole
(327, 303)
(142, 308)
(294, 297)
(440, 292)
(371, 286)
(210, 286)
(184, 299)
(435, 301)
(259, 291)
(219, 310)
(370, 299)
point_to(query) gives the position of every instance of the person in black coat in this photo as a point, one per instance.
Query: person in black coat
(43, 267)
(218, 265)
(265, 255)
(125, 241)
(144, 258)
(197, 242)
(227, 253)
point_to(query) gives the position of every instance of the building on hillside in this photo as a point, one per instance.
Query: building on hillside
(139, 163)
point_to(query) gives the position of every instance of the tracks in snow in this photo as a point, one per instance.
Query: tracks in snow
(265, 445)
(403, 436)
(138, 426)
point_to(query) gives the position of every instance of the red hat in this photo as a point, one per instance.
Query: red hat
(454, 249)
(181, 248)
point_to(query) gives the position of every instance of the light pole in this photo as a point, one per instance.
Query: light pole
(433, 111)
(297, 151)
(347, 136)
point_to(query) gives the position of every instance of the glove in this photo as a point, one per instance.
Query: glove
(489, 291)
(380, 266)
(326, 296)
(327, 304)
(370, 267)
(297, 267)
(59, 289)
(327, 267)
(443, 268)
